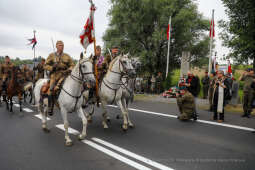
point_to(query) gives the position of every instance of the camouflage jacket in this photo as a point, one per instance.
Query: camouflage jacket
(63, 63)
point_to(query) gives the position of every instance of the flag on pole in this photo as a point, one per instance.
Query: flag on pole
(87, 35)
(168, 32)
(229, 67)
(212, 31)
(33, 42)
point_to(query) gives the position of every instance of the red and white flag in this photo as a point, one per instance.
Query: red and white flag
(212, 31)
(87, 35)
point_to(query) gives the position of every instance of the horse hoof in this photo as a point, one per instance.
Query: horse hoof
(108, 120)
(124, 127)
(118, 117)
(69, 143)
(90, 121)
(81, 137)
(46, 130)
(131, 126)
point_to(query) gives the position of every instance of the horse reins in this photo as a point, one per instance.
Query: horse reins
(80, 81)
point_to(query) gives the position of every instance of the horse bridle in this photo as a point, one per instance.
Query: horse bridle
(121, 73)
(81, 80)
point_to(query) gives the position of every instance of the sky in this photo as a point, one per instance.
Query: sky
(64, 20)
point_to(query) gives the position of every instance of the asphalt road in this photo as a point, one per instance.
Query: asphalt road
(158, 141)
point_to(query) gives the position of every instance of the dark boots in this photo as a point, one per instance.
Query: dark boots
(50, 104)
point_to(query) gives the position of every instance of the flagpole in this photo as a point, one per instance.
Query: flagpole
(34, 60)
(95, 67)
(211, 42)
(168, 51)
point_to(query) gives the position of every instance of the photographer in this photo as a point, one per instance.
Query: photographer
(247, 77)
(193, 86)
(186, 104)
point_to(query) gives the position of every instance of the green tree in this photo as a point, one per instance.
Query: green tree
(239, 33)
(139, 27)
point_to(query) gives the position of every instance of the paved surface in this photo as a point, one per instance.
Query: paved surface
(158, 141)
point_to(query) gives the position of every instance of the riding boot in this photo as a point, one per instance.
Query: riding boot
(50, 104)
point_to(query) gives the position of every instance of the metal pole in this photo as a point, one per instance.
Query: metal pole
(168, 51)
(211, 43)
(34, 61)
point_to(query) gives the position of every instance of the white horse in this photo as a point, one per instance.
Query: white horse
(70, 97)
(110, 90)
(128, 86)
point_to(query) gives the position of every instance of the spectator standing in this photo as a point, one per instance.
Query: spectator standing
(206, 83)
(248, 78)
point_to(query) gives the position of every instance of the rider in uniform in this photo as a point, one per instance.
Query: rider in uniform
(101, 65)
(25, 70)
(6, 69)
(40, 70)
(59, 64)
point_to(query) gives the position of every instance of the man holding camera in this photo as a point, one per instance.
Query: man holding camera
(186, 103)
(248, 78)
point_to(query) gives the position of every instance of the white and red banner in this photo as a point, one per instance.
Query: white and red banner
(87, 35)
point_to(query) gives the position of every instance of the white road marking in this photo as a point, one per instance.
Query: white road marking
(40, 117)
(70, 130)
(201, 121)
(16, 105)
(133, 155)
(115, 155)
(27, 110)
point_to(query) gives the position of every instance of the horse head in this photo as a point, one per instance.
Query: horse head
(126, 66)
(136, 63)
(86, 71)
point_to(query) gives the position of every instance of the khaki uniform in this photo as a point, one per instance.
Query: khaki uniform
(26, 73)
(186, 104)
(63, 65)
(247, 94)
(6, 70)
(40, 71)
(206, 84)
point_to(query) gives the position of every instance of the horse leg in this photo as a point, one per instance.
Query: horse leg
(91, 112)
(42, 108)
(124, 113)
(84, 124)
(31, 96)
(11, 104)
(125, 104)
(103, 104)
(6, 101)
(20, 101)
(25, 97)
(66, 126)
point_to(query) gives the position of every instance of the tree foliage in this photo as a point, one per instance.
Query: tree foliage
(139, 27)
(239, 33)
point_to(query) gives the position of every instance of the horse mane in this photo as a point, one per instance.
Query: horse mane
(112, 62)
